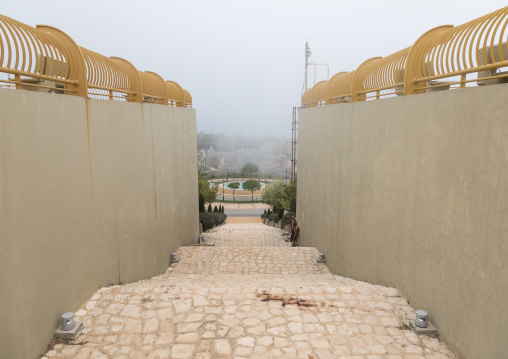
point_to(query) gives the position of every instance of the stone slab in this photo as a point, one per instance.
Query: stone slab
(431, 329)
(70, 334)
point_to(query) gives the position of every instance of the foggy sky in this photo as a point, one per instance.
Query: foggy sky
(243, 61)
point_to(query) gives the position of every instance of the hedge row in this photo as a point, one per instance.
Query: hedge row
(274, 217)
(210, 220)
(286, 219)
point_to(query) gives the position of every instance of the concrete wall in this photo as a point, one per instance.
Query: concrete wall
(92, 193)
(412, 192)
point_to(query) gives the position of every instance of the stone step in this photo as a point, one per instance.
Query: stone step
(248, 261)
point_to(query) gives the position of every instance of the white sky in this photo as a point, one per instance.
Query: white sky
(243, 61)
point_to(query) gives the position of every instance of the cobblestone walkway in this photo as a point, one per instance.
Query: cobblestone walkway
(250, 295)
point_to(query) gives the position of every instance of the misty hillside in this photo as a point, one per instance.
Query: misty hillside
(227, 143)
(220, 154)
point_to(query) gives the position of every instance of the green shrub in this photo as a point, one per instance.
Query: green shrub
(201, 203)
(274, 217)
(210, 220)
(263, 215)
(215, 209)
(209, 208)
(280, 213)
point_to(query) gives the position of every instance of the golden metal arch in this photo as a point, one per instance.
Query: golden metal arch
(187, 98)
(34, 55)
(339, 88)
(75, 59)
(412, 65)
(479, 46)
(136, 94)
(175, 94)
(382, 78)
(357, 85)
(110, 78)
(153, 88)
(306, 98)
(318, 94)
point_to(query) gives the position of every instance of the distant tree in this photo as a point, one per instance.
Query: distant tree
(284, 201)
(252, 185)
(201, 203)
(272, 194)
(209, 193)
(234, 186)
(250, 169)
(215, 209)
(209, 208)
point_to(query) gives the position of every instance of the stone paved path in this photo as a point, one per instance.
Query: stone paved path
(230, 220)
(250, 295)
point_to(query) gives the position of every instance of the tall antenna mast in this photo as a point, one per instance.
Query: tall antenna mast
(307, 55)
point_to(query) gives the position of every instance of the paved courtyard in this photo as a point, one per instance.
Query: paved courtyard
(248, 294)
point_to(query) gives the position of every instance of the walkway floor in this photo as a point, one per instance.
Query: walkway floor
(248, 294)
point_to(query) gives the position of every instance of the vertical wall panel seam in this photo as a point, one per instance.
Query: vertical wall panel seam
(2, 232)
(90, 169)
(347, 230)
(154, 180)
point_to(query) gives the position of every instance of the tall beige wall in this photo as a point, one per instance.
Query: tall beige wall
(87, 199)
(412, 192)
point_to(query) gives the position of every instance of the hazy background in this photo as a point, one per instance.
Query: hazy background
(243, 61)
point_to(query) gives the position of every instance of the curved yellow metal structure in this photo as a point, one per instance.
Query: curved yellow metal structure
(410, 86)
(40, 56)
(451, 53)
(187, 98)
(381, 78)
(318, 94)
(47, 59)
(76, 59)
(339, 88)
(136, 94)
(175, 94)
(306, 98)
(443, 57)
(357, 84)
(153, 88)
(110, 78)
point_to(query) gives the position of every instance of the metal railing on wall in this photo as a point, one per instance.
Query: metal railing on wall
(339, 88)
(446, 57)
(46, 59)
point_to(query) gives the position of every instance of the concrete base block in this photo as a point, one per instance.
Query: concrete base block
(70, 334)
(429, 330)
